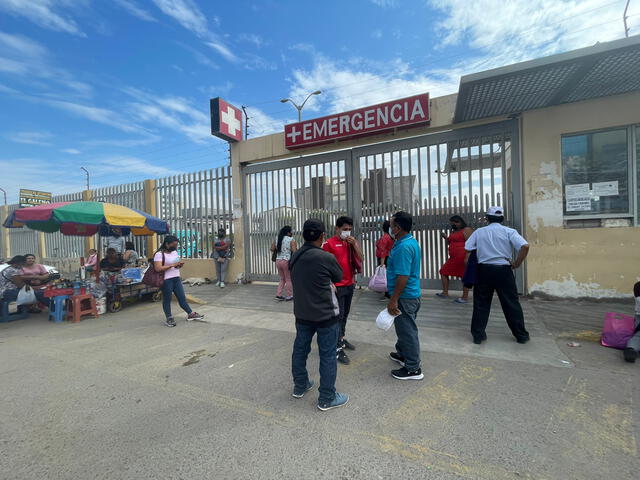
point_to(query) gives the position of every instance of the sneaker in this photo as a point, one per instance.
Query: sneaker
(396, 357)
(343, 357)
(288, 299)
(222, 285)
(194, 316)
(441, 295)
(278, 297)
(217, 284)
(340, 400)
(300, 393)
(630, 355)
(404, 374)
(459, 300)
(347, 345)
(170, 322)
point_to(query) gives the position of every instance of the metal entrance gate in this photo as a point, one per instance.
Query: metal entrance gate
(432, 176)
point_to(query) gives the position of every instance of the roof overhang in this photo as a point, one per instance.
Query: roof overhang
(604, 69)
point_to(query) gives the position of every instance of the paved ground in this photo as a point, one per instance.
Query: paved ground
(122, 397)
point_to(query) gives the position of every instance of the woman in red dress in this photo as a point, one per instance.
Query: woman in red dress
(454, 266)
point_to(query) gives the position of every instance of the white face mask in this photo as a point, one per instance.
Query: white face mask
(345, 234)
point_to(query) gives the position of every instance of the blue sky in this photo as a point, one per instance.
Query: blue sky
(122, 87)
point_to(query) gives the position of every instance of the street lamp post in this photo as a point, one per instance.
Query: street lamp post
(300, 107)
(5, 195)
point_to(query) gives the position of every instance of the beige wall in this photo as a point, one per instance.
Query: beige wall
(589, 262)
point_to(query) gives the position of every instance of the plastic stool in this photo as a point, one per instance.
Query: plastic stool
(5, 316)
(57, 308)
(81, 305)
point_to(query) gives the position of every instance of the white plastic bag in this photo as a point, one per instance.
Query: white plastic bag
(26, 296)
(385, 320)
(378, 283)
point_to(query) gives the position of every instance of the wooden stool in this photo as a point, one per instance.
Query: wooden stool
(81, 305)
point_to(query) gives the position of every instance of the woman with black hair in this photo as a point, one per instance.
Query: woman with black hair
(283, 247)
(454, 266)
(167, 260)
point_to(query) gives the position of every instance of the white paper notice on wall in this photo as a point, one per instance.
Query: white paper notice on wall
(606, 189)
(577, 191)
(579, 204)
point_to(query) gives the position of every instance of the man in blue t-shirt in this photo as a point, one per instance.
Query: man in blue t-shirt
(403, 283)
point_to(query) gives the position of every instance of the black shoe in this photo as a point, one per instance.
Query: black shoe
(343, 357)
(480, 339)
(522, 340)
(396, 357)
(280, 297)
(170, 322)
(630, 355)
(347, 345)
(404, 374)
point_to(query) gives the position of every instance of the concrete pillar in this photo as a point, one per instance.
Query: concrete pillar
(151, 207)
(238, 264)
(89, 242)
(5, 243)
(42, 246)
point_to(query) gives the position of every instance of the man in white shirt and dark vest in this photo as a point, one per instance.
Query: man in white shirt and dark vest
(494, 245)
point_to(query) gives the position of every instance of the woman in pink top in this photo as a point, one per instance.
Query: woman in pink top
(167, 260)
(92, 260)
(33, 268)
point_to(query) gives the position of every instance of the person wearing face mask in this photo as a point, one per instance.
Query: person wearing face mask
(167, 260)
(454, 266)
(221, 252)
(348, 254)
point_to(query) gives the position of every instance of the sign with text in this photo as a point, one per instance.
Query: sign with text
(410, 111)
(226, 120)
(31, 198)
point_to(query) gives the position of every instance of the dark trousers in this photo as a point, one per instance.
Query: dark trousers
(499, 279)
(345, 296)
(327, 338)
(173, 286)
(408, 344)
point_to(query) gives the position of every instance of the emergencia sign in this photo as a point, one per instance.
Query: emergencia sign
(31, 198)
(410, 111)
(226, 120)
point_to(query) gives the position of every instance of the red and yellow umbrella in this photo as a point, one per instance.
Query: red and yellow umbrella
(86, 219)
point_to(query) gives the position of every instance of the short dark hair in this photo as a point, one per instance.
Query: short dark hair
(386, 225)
(312, 229)
(404, 220)
(495, 219)
(344, 220)
(311, 235)
(18, 260)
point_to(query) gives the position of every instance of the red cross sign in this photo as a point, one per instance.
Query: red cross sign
(226, 120)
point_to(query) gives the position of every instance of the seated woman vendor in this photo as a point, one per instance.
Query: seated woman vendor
(31, 268)
(12, 280)
(112, 262)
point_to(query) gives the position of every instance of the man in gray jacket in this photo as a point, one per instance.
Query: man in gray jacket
(315, 306)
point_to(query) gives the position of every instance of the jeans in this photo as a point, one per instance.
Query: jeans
(498, 278)
(634, 342)
(12, 296)
(173, 286)
(327, 339)
(221, 269)
(345, 296)
(408, 344)
(285, 278)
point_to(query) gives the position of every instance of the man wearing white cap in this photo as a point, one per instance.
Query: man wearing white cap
(494, 245)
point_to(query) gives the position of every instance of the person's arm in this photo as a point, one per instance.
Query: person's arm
(472, 242)
(467, 232)
(467, 254)
(293, 246)
(401, 283)
(521, 245)
(356, 247)
(126, 255)
(445, 237)
(273, 247)
(522, 254)
(157, 265)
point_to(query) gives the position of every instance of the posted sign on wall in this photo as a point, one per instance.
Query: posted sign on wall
(31, 198)
(363, 121)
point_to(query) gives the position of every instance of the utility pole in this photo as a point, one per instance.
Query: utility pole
(624, 19)
(246, 122)
(87, 172)
(5, 195)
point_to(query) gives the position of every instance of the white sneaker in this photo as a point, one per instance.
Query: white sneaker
(217, 284)
(222, 285)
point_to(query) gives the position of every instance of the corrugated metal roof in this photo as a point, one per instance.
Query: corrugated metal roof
(604, 69)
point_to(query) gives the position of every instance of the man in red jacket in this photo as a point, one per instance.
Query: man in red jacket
(348, 252)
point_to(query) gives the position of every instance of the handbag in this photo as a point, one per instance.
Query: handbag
(26, 296)
(153, 278)
(378, 283)
(617, 330)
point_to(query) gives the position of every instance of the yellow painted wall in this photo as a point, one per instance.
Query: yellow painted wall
(589, 262)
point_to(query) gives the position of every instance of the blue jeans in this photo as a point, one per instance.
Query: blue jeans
(408, 344)
(173, 286)
(327, 339)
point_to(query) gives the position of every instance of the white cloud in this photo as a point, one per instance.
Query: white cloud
(48, 178)
(218, 90)
(95, 114)
(132, 165)
(252, 38)
(260, 123)
(41, 12)
(71, 151)
(384, 3)
(223, 50)
(30, 138)
(126, 143)
(135, 10)
(186, 13)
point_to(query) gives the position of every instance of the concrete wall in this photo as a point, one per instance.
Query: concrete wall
(578, 262)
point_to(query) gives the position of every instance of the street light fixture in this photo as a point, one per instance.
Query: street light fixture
(300, 107)
(5, 195)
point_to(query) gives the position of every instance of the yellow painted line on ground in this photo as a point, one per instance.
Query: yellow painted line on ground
(584, 335)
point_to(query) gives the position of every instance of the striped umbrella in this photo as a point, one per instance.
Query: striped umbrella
(86, 219)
